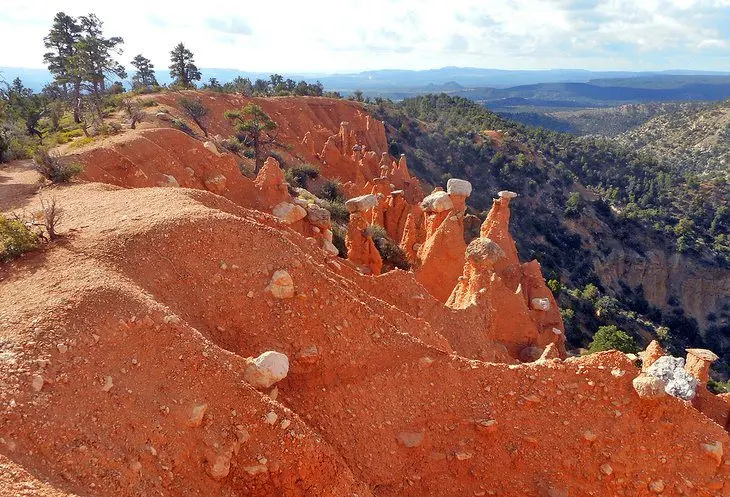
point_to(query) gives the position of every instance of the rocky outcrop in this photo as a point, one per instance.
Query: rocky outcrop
(440, 259)
(523, 313)
(271, 185)
(361, 249)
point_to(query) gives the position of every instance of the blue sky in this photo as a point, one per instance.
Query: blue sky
(353, 35)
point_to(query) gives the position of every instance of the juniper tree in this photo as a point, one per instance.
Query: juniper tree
(182, 67)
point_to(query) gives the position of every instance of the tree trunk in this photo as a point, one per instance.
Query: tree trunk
(77, 102)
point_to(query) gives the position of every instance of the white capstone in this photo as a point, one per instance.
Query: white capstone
(362, 203)
(459, 187)
(507, 194)
(437, 202)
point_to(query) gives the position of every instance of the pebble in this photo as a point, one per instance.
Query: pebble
(196, 417)
(108, 384)
(37, 382)
(657, 486)
(606, 469)
(62, 348)
(270, 418)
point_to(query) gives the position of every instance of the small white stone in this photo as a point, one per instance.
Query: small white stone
(108, 384)
(270, 418)
(37, 382)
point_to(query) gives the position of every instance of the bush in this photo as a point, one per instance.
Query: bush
(612, 338)
(53, 168)
(331, 191)
(390, 252)
(15, 239)
(299, 176)
(338, 239)
(338, 210)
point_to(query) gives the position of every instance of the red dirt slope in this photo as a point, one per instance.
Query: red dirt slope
(123, 348)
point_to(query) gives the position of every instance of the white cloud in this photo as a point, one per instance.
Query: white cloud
(350, 35)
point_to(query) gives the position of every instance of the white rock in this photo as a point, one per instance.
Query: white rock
(267, 369)
(362, 203)
(459, 187)
(270, 418)
(281, 285)
(541, 304)
(329, 247)
(37, 382)
(507, 194)
(437, 202)
(678, 382)
(328, 235)
(210, 146)
(108, 384)
(197, 415)
(289, 213)
(169, 181)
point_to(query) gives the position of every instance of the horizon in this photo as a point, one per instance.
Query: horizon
(345, 38)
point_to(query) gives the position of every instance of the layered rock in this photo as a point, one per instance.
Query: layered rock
(440, 259)
(524, 315)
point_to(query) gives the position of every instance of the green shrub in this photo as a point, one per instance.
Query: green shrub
(15, 239)
(338, 210)
(53, 168)
(338, 239)
(331, 190)
(612, 338)
(390, 252)
(299, 176)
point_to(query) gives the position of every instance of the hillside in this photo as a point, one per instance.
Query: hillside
(603, 121)
(594, 213)
(693, 139)
(192, 330)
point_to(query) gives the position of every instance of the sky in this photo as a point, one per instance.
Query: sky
(328, 36)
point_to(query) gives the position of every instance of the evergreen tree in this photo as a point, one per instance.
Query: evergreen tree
(182, 68)
(61, 43)
(95, 55)
(145, 76)
(255, 129)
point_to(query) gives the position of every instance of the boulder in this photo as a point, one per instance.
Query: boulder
(484, 250)
(677, 382)
(281, 285)
(210, 146)
(362, 203)
(266, 370)
(458, 187)
(318, 216)
(540, 304)
(437, 202)
(649, 387)
(216, 184)
(289, 213)
(330, 248)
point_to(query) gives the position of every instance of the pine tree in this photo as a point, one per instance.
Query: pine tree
(182, 68)
(61, 42)
(145, 76)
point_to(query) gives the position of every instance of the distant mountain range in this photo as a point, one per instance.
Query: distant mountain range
(392, 81)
